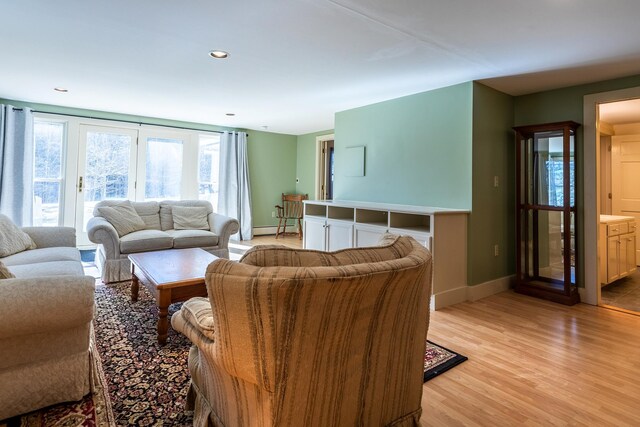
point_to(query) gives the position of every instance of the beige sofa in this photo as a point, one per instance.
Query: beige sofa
(297, 337)
(158, 233)
(45, 324)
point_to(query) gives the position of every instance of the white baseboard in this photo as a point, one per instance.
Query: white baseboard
(489, 288)
(263, 231)
(450, 297)
(470, 293)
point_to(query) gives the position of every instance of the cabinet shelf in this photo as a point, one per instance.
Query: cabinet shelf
(338, 212)
(315, 210)
(413, 222)
(372, 217)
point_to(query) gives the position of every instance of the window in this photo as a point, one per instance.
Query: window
(163, 169)
(49, 146)
(208, 168)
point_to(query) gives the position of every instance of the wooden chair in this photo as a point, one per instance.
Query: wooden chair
(291, 208)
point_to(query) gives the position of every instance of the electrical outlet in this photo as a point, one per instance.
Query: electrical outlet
(496, 181)
(496, 250)
(273, 214)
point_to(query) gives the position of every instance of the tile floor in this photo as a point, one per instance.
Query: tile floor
(623, 293)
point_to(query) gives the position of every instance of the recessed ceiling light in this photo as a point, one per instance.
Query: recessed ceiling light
(60, 89)
(218, 54)
(230, 114)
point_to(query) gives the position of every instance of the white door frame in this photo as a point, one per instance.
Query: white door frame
(591, 182)
(319, 165)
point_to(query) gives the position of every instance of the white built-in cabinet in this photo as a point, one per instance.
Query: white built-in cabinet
(617, 247)
(333, 225)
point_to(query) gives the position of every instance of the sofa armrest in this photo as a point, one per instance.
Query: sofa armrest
(49, 237)
(223, 226)
(46, 304)
(100, 231)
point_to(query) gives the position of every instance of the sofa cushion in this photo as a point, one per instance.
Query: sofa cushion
(150, 214)
(44, 269)
(123, 217)
(5, 273)
(144, 241)
(166, 206)
(192, 238)
(12, 238)
(190, 218)
(43, 255)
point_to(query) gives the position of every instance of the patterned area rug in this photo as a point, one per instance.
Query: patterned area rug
(93, 410)
(438, 359)
(147, 382)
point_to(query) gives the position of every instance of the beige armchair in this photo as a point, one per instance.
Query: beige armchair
(294, 337)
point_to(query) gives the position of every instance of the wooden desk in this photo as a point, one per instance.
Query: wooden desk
(171, 275)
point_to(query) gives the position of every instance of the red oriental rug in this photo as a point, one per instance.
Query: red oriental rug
(438, 359)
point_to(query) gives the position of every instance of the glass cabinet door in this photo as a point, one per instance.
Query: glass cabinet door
(545, 171)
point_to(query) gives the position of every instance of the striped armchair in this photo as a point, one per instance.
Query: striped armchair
(293, 337)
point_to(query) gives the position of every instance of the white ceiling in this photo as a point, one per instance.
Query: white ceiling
(621, 112)
(293, 64)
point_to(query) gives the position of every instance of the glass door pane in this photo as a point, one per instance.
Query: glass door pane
(106, 170)
(208, 168)
(163, 168)
(50, 142)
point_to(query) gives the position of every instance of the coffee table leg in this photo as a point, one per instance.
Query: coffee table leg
(164, 300)
(135, 286)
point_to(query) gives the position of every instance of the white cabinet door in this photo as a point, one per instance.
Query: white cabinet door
(423, 238)
(613, 261)
(367, 235)
(630, 255)
(339, 235)
(315, 233)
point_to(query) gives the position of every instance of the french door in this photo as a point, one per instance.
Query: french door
(107, 160)
(132, 163)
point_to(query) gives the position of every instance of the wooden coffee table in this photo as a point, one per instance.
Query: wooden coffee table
(171, 275)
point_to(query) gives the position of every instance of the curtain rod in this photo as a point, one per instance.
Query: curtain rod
(125, 121)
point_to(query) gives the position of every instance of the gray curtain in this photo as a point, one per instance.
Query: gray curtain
(16, 164)
(234, 198)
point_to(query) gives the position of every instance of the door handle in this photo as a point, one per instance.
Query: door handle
(80, 185)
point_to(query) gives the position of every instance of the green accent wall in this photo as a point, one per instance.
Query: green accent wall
(272, 156)
(568, 104)
(272, 165)
(492, 218)
(306, 162)
(417, 149)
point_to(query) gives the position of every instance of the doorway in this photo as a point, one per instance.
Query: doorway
(612, 157)
(325, 161)
(619, 132)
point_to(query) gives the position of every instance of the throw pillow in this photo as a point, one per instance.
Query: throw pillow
(123, 217)
(12, 238)
(190, 218)
(5, 273)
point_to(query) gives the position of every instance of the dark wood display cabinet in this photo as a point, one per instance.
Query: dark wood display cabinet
(546, 211)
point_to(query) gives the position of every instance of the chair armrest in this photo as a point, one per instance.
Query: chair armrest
(49, 237)
(46, 304)
(102, 232)
(195, 321)
(223, 226)
(280, 210)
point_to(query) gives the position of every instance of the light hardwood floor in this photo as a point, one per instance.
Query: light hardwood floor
(532, 363)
